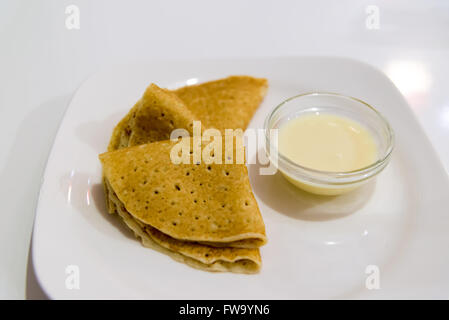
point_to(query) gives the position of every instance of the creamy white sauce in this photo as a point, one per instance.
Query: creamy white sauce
(327, 142)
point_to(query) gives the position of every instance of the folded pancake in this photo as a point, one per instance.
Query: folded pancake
(151, 119)
(195, 255)
(227, 103)
(203, 214)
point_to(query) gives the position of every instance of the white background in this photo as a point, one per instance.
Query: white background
(42, 63)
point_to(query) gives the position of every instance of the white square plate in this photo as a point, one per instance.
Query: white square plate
(317, 248)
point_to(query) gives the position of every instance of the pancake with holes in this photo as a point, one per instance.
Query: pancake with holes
(204, 215)
(227, 103)
(151, 119)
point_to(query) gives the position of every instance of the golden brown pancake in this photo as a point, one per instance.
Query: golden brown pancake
(203, 212)
(151, 119)
(228, 103)
(201, 257)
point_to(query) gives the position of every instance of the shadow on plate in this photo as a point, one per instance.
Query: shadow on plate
(88, 198)
(33, 290)
(280, 195)
(99, 200)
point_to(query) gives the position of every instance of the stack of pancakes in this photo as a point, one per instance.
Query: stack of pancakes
(204, 215)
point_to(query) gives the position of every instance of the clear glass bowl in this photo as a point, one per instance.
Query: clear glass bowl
(326, 182)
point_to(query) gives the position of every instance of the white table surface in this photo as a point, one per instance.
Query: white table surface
(42, 63)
